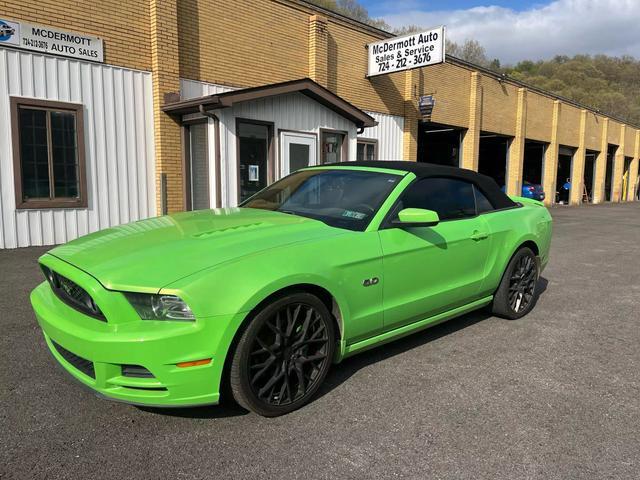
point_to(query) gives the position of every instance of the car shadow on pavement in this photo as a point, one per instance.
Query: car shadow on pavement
(346, 369)
(225, 409)
(352, 365)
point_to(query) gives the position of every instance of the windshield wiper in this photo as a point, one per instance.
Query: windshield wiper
(306, 215)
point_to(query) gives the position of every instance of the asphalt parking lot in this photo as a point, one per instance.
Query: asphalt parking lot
(553, 395)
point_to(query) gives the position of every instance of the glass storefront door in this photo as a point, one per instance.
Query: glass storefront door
(254, 145)
(333, 147)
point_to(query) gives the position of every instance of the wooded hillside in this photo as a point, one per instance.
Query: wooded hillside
(611, 84)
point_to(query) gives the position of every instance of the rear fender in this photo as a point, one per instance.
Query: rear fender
(512, 228)
(526, 201)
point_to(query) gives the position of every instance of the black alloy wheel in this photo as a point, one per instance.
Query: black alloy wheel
(517, 294)
(522, 283)
(283, 356)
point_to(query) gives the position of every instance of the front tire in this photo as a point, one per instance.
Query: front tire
(517, 293)
(283, 356)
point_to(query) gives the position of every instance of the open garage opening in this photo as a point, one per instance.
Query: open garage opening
(533, 162)
(563, 175)
(589, 174)
(493, 156)
(439, 144)
(626, 177)
(608, 177)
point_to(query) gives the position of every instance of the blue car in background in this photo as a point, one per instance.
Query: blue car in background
(530, 190)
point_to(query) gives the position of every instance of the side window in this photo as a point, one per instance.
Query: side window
(482, 203)
(450, 198)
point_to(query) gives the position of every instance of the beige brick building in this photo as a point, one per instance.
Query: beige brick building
(199, 103)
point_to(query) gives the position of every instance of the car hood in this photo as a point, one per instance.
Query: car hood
(150, 254)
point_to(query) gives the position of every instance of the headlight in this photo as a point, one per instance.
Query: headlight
(151, 306)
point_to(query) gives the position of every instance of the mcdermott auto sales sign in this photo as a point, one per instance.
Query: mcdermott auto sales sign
(51, 40)
(403, 53)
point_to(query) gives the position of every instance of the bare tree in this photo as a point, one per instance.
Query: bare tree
(408, 30)
(470, 51)
(353, 9)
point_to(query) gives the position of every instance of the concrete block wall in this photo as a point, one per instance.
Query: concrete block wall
(498, 105)
(256, 42)
(123, 25)
(243, 44)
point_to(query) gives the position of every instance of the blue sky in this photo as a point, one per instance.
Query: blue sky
(518, 29)
(379, 8)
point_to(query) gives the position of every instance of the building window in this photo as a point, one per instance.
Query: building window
(367, 149)
(333, 147)
(48, 151)
(196, 165)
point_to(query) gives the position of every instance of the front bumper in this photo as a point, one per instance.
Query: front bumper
(94, 352)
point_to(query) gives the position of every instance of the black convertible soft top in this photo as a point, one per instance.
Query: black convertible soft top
(487, 185)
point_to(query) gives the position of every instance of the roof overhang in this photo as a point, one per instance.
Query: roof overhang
(305, 86)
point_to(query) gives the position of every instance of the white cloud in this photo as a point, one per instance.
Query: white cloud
(562, 27)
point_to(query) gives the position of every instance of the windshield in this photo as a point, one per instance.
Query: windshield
(340, 198)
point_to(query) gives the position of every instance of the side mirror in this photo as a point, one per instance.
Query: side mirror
(416, 217)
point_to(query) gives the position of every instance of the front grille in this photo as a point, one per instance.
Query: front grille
(136, 371)
(72, 294)
(82, 364)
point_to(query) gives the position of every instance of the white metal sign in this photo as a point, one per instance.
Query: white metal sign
(403, 53)
(51, 40)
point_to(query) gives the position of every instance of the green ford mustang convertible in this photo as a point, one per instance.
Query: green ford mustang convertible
(260, 300)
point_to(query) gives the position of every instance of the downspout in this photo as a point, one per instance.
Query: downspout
(217, 160)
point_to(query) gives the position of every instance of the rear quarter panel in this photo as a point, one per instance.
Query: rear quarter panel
(509, 229)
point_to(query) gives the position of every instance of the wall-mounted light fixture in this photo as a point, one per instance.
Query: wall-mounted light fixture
(425, 105)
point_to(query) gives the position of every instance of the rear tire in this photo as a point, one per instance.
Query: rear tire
(283, 356)
(517, 294)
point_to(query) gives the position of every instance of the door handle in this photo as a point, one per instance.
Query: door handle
(478, 235)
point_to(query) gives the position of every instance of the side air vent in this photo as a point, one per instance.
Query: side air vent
(82, 364)
(136, 371)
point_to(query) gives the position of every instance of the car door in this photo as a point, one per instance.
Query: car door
(428, 270)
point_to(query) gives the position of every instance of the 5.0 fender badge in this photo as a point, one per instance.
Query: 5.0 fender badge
(367, 282)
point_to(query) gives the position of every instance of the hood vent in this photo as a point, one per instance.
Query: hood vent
(234, 228)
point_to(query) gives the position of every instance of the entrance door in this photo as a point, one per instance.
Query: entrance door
(254, 157)
(298, 150)
(197, 166)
